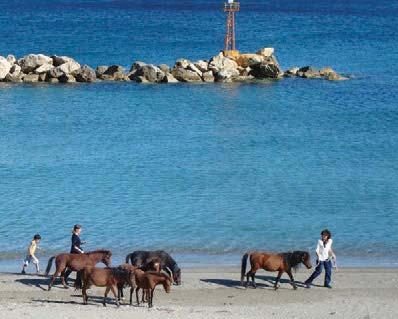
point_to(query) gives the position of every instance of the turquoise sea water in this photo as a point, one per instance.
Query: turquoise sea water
(204, 171)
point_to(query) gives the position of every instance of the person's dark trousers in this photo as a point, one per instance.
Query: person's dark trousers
(318, 270)
(67, 273)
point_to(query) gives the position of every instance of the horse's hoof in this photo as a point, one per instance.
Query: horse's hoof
(295, 288)
(104, 304)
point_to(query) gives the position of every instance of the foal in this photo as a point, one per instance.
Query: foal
(110, 278)
(148, 281)
(283, 262)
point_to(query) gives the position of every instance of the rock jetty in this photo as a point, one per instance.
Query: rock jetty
(35, 68)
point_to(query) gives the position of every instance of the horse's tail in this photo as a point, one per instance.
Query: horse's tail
(50, 261)
(128, 258)
(243, 267)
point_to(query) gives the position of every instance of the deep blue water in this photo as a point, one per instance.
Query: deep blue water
(212, 169)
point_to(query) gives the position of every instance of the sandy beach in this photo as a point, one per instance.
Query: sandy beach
(215, 293)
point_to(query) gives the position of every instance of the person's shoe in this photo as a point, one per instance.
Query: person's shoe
(307, 285)
(328, 286)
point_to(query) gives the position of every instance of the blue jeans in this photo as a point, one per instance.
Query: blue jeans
(318, 270)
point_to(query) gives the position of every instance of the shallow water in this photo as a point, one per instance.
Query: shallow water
(213, 168)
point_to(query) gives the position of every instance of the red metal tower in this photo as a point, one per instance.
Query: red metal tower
(230, 7)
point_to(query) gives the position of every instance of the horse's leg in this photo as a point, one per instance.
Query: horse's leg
(252, 273)
(289, 272)
(105, 295)
(114, 291)
(131, 295)
(63, 279)
(150, 304)
(84, 294)
(136, 295)
(277, 279)
(55, 275)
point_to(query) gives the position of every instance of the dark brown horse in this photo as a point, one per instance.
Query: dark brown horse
(147, 281)
(282, 262)
(76, 262)
(111, 278)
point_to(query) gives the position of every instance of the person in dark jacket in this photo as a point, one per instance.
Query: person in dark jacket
(75, 247)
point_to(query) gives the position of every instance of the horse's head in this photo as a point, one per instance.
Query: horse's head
(306, 259)
(177, 276)
(167, 284)
(106, 258)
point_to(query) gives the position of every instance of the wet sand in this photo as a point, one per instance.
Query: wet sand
(215, 293)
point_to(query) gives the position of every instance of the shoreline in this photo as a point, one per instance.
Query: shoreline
(216, 293)
(213, 261)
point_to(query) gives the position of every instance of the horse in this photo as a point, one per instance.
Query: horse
(147, 281)
(153, 265)
(76, 262)
(167, 263)
(111, 278)
(282, 262)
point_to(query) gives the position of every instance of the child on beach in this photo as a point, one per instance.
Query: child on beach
(325, 255)
(31, 257)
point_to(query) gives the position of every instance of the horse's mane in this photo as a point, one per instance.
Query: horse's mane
(293, 259)
(100, 251)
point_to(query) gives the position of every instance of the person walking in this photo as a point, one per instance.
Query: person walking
(325, 255)
(31, 257)
(75, 247)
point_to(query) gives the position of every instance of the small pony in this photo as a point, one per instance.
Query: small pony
(282, 262)
(148, 281)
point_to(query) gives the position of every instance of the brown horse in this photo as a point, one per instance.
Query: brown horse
(283, 262)
(111, 278)
(148, 281)
(76, 262)
(153, 265)
(120, 286)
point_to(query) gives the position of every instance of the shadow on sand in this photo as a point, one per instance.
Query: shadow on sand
(270, 280)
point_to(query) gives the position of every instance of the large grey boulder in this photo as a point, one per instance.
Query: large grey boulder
(5, 67)
(58, 60)
(71, 67)
(208, 77)
(309, 72)
(100, 70)
(203, 66)
(164, 68)
(265, 71)
(247, 60)
(11, 58)
(31, 78)
(86, 74)
(266, 52)
(169, 78)
(269, 68)
(193, 68)
(182, 63)
(184, 75)
(226, 75)
(136, 66)
(54, 73)
(43, 68)
(143, 73)
(220, 62)
(15, 70)
(14, 78)
(67, 78)
(291, 72)
(114, 73)
(31, 62)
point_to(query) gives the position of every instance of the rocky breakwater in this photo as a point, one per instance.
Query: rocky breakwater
(41, 68)
(220, 68)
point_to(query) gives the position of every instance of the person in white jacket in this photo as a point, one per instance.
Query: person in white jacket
(325, 255)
